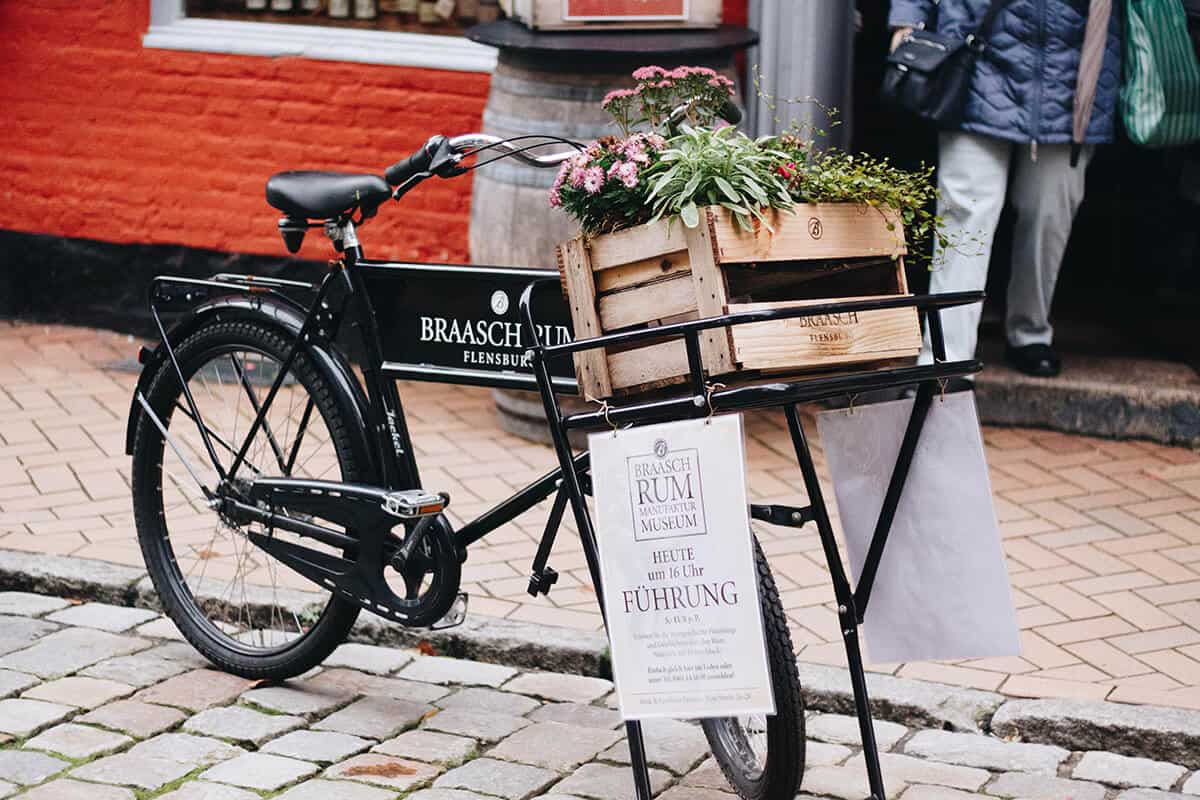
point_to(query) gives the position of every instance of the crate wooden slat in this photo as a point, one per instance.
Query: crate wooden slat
(664, 272)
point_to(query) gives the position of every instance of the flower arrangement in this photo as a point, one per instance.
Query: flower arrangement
(661, 166)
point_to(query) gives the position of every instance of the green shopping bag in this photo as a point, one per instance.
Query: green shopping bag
(1160, 95)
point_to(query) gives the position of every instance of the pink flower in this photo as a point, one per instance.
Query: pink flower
(684, 72)
(578, 175)
(626, 173)
(655, 141)
(593, 179)
(646, 73)
(619, 94)
(634, 149)
(555, 199)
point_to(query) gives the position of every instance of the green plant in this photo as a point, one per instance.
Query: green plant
(724, 167)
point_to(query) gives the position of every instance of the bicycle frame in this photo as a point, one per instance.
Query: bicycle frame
(395, 308)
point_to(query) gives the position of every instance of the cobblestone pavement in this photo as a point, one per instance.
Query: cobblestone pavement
(1102, 537)
(127, 712)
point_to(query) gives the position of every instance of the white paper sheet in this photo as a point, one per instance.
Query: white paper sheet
(942, 590)
(677, 565)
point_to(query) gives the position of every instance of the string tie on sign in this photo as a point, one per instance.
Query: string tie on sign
(709, 388)
(604, 409)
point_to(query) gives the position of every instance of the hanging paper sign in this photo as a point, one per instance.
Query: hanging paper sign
(615, 10)
(942, 589)
(677, 564)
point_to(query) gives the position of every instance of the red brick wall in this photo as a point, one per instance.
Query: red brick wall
(103, 139)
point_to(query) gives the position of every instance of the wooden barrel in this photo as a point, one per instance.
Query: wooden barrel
(512, 223)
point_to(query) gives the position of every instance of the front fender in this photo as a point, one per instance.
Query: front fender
(329, 362)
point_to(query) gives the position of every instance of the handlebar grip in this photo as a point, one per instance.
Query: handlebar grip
(730, 112)
(415, 164)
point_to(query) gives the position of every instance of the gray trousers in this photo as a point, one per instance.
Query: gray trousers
(973, 179)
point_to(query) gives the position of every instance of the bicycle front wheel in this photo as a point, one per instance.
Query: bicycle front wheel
(245, 612)
(762, 756)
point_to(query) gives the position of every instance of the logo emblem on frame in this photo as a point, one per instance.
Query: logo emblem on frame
(499, 302)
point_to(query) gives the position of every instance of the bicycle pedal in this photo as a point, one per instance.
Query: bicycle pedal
(540, 582)
(455, 616)
(412, 503)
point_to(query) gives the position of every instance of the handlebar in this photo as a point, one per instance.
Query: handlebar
(441, 155)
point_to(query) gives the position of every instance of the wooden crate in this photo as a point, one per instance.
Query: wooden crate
(605, 14)
(664, 272)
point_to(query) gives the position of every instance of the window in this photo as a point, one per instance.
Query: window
(447, 17)
(367, 31)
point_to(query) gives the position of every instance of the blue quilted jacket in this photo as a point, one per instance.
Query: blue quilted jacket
(1024, 86)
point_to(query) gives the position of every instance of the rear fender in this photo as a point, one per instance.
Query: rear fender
(329, 362)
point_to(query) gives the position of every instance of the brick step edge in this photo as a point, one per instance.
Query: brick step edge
(1163, 734)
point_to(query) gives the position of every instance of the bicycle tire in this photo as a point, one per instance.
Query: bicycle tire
(338, 615)
(780, 777)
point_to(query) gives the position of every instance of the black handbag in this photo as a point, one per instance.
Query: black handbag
(930, 73)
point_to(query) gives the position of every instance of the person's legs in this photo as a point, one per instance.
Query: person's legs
(1046, 194)
(972, 179)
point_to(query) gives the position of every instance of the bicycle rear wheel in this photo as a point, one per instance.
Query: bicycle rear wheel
(762, 756)
(244, 611)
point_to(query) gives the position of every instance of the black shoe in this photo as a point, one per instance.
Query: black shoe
(1038, 360)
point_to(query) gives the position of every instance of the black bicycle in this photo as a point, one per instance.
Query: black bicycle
(266, 468)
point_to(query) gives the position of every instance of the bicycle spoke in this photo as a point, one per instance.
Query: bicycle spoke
(258, 411)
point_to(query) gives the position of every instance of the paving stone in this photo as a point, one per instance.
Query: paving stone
(242, 725)
(102, 616)
(78, 741)
(489, 776)
(825, 754)
(1147, 794)
(337, 790)
(1127, 772)
(7, 789)
(604, 782)
(459, 794)
(1043, 787)
(442, 670)
(13, 682)
(487, 726)
(975, 750)
(27, 767)
(368, 658)
(381, 770)
(355, 683)
(843, 729)
(324, 747)
(425, 745)
(135, 717)
(196, 690)
(911, 702)
(202, 790)
(1192, 784)
(70, 650)
(260, 771)
(375, 717)
(17, 633)
(846, 783)
(554, 746)
(80, 691)
(1166, 734)
(708, 775)
(474, 698)
(695, 793)
(938, 793)
(22, 717)
(139, 670)
(560, 688)
(153, 763)
(182, 652)
(67, 789)
(576, 714)
(907, 769)
(161, 628)
(27, 604)
(678, 746)
(301, 700)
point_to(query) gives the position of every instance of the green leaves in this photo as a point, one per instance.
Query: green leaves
(702, 166)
